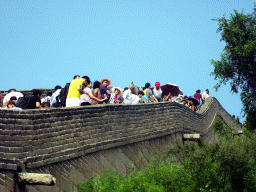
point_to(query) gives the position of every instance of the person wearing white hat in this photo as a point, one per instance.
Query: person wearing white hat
(115, 95)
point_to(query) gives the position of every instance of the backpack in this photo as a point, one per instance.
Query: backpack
(23, 102)
(61, 98)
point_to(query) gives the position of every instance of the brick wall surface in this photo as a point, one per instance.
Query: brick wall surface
(44, 137)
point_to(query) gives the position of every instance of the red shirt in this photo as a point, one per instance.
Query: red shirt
(198, 96)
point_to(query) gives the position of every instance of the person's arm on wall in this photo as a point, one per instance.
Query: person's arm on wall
(95, 98)
(38, 105)
(79, 88)
(108, 92)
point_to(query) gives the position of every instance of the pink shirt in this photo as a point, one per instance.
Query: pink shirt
(85, 97)
(197, 96)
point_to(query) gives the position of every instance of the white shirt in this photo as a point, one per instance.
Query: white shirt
(46, 99)
(12, 94)
(157, 93)
(130, 98)
(205, 95)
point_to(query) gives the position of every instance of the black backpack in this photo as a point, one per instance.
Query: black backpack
(23, 102)
(61, 98)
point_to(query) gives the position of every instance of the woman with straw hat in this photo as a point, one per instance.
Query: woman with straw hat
(117, 93)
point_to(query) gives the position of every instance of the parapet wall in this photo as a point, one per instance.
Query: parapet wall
(37, 137)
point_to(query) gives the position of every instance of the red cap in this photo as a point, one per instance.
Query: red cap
(157, 84)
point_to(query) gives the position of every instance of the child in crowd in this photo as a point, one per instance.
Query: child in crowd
(121, 99)
(143, 98)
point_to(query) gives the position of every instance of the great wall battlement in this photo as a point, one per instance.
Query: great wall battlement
(74, 144)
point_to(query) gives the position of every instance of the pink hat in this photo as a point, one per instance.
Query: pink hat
(103, 79)
(157, 84)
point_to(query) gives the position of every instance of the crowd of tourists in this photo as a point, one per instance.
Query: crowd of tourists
(81, 92)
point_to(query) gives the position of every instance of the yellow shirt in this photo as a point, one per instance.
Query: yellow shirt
(72, 91)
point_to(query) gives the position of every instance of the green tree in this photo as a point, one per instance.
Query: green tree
(238, 60)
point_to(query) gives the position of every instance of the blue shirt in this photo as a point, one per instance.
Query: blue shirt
(143, 98)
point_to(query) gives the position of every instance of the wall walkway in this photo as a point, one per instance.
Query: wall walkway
(74, 144)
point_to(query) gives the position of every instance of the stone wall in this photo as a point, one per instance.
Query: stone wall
(47, 140)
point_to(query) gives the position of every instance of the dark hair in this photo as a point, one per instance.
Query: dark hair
(185, 96)
(13, 98)
(125, 88)
(36, 92)
(96, 84)
(87, 79)
(11, 90)
(147, 85)
(49, 94)
(141, 93)
(76, 76)
(57, 87)
(207, 90)
(198, 91)
(234, 116)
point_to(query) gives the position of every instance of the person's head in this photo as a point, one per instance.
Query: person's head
(13, 98)
(57, 87)
(126, 88)
(141, 93)
(185, 97)
(45, 105)
(37, 93)
(234, 116)
(76, 77)
(198, 91)
(11, 90)
(10, 104)
(207, 91)
(157, 85)
(117, 91)
(184, 102)
(86, 80)
(132, 88)
(96, 84)
(105, 82)
(89, 85)
(147, 86)
(121, 99)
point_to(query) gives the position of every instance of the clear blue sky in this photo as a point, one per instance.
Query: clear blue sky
(44, 43)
